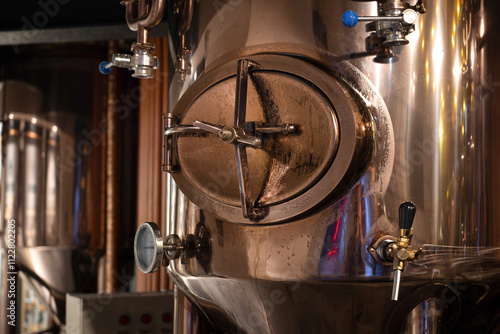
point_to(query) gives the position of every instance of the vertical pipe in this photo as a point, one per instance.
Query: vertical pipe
(186, 317)
(426, 318)
(161, 77)
(111, 180)
(152, 187)
(102, 272)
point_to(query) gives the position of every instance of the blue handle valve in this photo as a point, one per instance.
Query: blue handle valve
(105, 67)
(350, 18)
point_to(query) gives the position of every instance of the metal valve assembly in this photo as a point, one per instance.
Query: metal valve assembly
(151, 251)
(141, 17)
(395, 21)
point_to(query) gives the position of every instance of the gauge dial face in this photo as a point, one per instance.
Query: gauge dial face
(148, 247)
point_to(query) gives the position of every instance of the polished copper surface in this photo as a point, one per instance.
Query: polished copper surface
(111, 180)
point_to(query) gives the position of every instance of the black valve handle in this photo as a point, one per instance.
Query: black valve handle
(407, 212)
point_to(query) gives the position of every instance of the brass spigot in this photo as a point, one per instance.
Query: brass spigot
(401, 253)
(398, 253)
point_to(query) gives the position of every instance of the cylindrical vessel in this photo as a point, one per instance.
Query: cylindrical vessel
(52, 176)
(371, 135)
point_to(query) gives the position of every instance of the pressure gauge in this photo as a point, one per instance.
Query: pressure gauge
(148, 247)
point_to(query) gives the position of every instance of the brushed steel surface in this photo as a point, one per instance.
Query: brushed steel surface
(435, 147)
(360, 148)
(286, 161)
(426, 318)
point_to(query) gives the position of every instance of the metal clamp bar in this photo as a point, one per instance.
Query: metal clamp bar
(230, 134)
(168, 153)
(240, 110)
(284, 129)
(240, 106)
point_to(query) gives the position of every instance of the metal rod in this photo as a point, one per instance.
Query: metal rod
(143, 35)
(270, 130)
(396, 284)
(285, 129)
(380, 18)
(207, 126)
(240, 105)
(242, 166)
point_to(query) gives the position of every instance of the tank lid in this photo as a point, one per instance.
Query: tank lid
(270, 160)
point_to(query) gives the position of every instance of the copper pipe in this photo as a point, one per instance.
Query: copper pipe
(151, 181)
(111, 180)
(147, 201)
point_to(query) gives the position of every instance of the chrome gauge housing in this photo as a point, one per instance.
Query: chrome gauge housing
(148, 247)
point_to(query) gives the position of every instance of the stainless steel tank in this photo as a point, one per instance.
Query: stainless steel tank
(51, 180)
(292, 140)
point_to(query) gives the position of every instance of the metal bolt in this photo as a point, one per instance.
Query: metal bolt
(409, 17)
(227, 134)
(173, 247)
(403, 254)
(287, 128)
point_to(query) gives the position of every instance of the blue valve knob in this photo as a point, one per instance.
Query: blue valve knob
(350, 18)
(103, 67)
